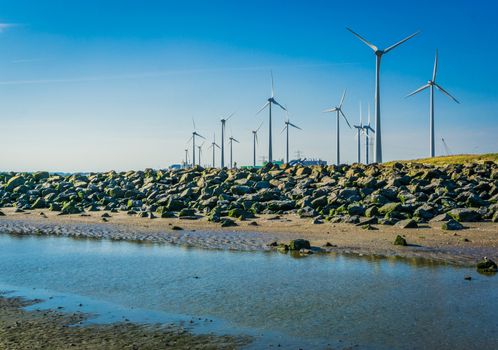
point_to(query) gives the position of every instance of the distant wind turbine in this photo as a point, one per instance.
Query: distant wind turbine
(231, 140)
(200, 152)
(213, 146)
(367, 128)
(268, 104)
(194, 134)
(186, 157)
(286, 128)
(223, 122)
(338, 111)
(431, 84)
(254, 142)
(359, 130)
(378, 54)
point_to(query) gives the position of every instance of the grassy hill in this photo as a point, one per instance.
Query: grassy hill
(456, 159)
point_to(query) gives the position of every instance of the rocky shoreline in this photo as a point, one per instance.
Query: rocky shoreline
(248, 209)
(51, 329)
(371, 194)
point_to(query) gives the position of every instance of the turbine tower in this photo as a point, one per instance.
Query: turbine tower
(286, 128)
(268, 104)
(213, 146)
(231, 140)
(367, 128)
(338, 111)
(223, 122)
(378, 54)
(359, 130)
(200, 152)
(194, 134)
(254, 142)
(431, 84)
(186, 157)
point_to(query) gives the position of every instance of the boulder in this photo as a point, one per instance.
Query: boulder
(487, 265)
(452, 225)
(465, 215)
(408, 223)
(400, 241)
(298, 244)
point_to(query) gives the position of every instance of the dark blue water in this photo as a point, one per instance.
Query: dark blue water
(311, 302)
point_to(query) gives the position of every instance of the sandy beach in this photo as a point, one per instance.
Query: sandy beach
(52, 329)
(429, 241)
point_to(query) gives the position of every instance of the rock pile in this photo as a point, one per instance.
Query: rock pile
(408, 193)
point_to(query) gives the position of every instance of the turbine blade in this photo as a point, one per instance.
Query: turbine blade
(266, 104)
(217, 145)
(373, 47)
(400, 42)
(278, 104)
(330, 110)
(230, 116)
(285, 127)
(434, 73)
(446, 92)
(235, 140)
(202, 137)
(295, 126)
(272, 85)
(259, 127)
(193, 123)
(342, 98)
(418, 90)
(256, 137)
(346, 119)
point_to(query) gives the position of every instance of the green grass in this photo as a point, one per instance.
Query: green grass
(456, 159)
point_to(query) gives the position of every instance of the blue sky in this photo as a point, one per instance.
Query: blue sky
(99, 85)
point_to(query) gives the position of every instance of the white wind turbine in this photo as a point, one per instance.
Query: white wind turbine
(223, 122)
(186, 157)
(231, 140)
(367, 128)
(378, 54)
(359, 130)
(286, 128)
(254, 142)
(431, 84)
(213, 146)
(268, 104)
(194, 134)
(338, 111)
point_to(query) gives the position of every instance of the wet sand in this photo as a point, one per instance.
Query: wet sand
(429, 241)
(50, 329)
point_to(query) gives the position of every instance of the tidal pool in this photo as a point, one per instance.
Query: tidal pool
(315, 302)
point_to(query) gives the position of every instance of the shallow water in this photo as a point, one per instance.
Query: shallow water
(310, 302)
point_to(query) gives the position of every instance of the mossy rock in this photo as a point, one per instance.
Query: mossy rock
(487, 265)
(225, 222)
(186, 212)
(400, 241)
(465, 215)
(283, 248)
(240, 214)
(298, 244)
(70, 208)
(389, 208)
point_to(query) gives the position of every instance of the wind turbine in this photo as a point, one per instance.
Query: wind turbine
(186, 157)
(254, 142)
(367, 128)
(286, 128)
(268, 104)
(431, 84)
(194, 134)
(338, 111)
(200, 151)
(223, 122)
(378, 54)
(359, 130)
(230, 141)
(213, 146)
